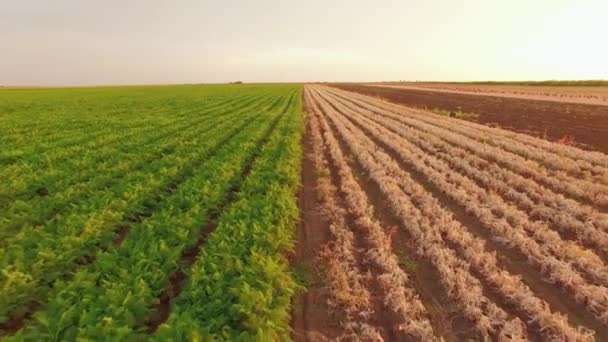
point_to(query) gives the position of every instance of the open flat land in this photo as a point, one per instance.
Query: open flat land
(583, 125)
(295, 212)
(148, 212)
(569, 94)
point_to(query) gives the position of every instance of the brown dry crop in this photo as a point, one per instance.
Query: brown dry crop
(515, 228)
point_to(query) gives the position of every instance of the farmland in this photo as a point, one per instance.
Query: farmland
(120, 205)
(597, 94)
(290, 212)
(441, 228)
(551, 117)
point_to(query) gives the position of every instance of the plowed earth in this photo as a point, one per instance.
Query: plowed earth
(584, 124)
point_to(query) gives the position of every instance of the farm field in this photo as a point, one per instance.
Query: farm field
(438, 228)
(579, 124)
(148, 212)
(596, 95)
(290, 212)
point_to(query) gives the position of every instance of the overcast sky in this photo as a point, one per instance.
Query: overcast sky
(81, 42)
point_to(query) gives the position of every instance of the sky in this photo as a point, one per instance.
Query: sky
(80, 42)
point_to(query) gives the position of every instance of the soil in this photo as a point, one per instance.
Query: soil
(311, 319)
(585, 124)
(569, 94)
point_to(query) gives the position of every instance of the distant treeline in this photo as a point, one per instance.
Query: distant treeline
(585, 83)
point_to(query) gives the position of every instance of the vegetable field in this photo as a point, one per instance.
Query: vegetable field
(158, 212)
(288, 212)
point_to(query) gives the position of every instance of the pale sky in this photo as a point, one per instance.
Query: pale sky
(87, 42)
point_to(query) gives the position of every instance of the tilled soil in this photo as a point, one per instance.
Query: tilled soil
(586, 125)
(588, 95)
(311, 317)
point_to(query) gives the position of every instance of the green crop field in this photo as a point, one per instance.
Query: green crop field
(148, 212)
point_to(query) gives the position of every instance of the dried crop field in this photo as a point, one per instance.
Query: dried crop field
(438, 228)
(579, 124)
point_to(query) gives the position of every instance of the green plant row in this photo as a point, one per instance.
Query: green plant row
(96, 176)
(30, 265)
(42, 116)
(23, 177)
(122, 173)
(40, 120)
(115, 294)
(87, 132)
(90, 136)
(240, 287)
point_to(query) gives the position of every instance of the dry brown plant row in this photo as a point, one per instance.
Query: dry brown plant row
(400, 297)
(593, 297)
(562, 157)
(347, 294)
(511, 288)
(489, 319)
(585, 260)
(592, 189)
(563, 211)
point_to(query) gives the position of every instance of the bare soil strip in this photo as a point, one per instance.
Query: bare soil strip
(311, 320)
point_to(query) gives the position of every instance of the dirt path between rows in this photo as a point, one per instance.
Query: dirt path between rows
(585, 125)
(310, 313)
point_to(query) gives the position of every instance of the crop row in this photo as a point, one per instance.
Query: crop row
(586, 261)
(488, 318)
(50, 168)
(33, 261)
(398, 295)
(422, 207)
(527, 178)
(514, 172)
(562, 157)
(348, 295)
(584, 185)
(115, 295)
(240, 287)
(97, 176)
(543, 248)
